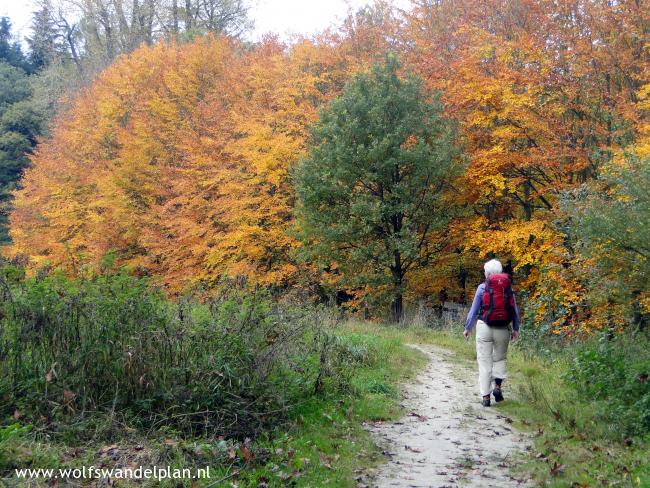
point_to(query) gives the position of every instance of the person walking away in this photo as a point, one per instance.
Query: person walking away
(493, 311)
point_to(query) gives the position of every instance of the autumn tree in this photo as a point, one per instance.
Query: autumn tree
(609, 227)
(176, 159)
(544, 96)
(372, 186)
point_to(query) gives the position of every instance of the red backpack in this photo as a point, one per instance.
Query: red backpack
(498, 301)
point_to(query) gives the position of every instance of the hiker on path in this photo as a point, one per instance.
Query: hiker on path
(493, 310)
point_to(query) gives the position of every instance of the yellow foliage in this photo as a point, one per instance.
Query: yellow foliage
(176, 158)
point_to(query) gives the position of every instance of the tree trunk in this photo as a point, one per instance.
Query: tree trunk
(397, 269)
(189, 19)
(175, 17)
(528, 205)
(396, 308)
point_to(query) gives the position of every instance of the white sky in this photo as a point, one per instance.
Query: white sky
(19, 12)
(280, 16)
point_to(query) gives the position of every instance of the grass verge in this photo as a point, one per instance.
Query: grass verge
(325, 443)
(328, 445)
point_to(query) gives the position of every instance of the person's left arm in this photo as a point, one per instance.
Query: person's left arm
(515, 319)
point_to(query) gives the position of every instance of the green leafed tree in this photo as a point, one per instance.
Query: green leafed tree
(10, 51)
(372, 187)
(20, 123)
(20, 119)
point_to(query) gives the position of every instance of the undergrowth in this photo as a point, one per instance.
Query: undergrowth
(107, 371)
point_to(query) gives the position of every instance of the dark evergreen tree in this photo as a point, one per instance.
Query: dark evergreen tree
(20, 121)
(10, 50)
(46, 42)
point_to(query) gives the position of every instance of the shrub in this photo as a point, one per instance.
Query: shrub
(113, 350)
(612, 374)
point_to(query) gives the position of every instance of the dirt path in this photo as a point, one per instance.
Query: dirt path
(447, 438)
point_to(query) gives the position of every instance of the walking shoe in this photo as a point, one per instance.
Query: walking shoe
(486, 401)
(498, 396)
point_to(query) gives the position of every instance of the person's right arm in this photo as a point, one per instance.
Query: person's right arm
(472, 315)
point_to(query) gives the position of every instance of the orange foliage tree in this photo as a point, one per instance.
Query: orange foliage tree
(176, 160)
(545, 95)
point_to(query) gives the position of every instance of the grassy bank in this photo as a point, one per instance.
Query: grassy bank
(327, 445)
(322, 443)
(107, 372)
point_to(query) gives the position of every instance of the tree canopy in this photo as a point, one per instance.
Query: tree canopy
(177, 156)
(372, 187)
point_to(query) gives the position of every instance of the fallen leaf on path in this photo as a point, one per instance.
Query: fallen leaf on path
(556, 468)
(246, 453)
(421, 418)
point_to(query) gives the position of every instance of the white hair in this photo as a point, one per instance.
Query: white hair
(493, 266)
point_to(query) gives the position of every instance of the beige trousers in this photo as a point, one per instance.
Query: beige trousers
(491, 352)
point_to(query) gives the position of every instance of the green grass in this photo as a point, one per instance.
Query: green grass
(329, 446)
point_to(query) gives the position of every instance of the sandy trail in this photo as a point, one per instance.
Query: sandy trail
(447, 438)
